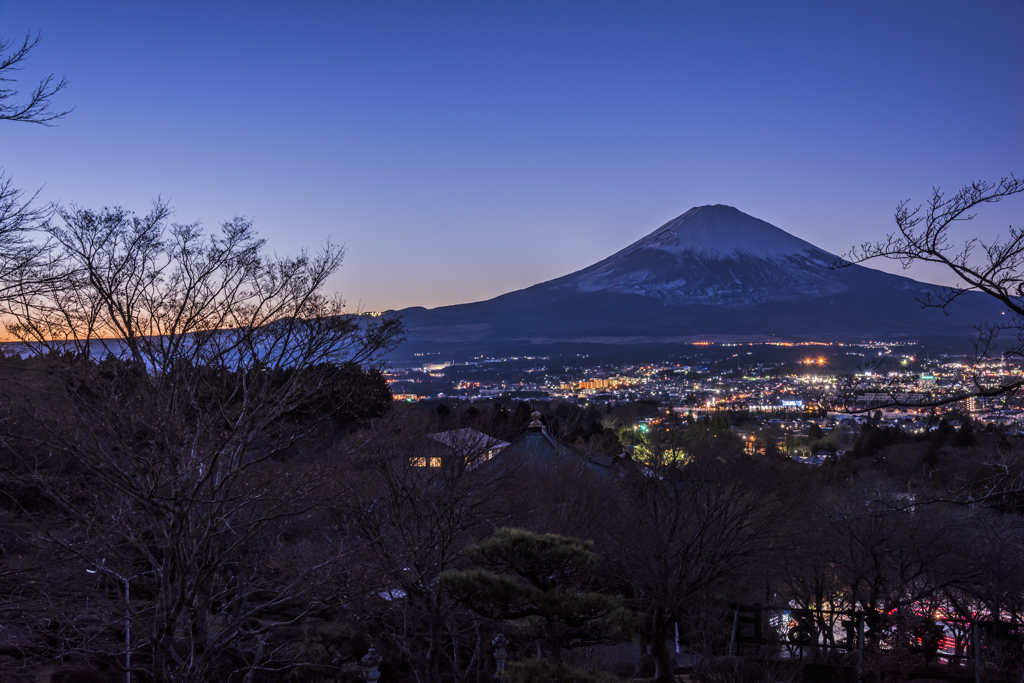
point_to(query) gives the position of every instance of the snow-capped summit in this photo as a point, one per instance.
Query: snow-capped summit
(720, 231)
(714, 255)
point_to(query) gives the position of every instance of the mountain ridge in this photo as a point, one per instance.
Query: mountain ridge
(712, 272)
(754, 262)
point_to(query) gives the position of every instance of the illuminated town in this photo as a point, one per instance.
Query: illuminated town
(781, 390)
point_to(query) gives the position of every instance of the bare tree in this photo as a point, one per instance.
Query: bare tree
(925, 234)
(19, 216)
(687, 534)
(22, 260)
(415, 508)
(36, 109)
(175, 373)
(890, 553)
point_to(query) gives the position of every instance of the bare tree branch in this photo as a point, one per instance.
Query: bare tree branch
(924, 234)
(36, 109)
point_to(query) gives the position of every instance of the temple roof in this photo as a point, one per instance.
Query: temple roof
(537, 448)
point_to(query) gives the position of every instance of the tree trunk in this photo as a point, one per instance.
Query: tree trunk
(664, 664)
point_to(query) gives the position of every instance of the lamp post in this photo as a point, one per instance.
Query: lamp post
(370, 662)
(500, 644)
(127, 619)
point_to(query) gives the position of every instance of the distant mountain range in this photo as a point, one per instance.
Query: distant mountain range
(712, 274)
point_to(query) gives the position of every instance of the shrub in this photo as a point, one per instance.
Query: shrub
(547, 671)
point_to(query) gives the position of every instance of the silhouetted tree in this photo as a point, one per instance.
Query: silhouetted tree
(36, 107)
(20, 257)
(964, 436)
(541, 582)
(925, 235)
(470, 416)
(179, 368)
(410, 522)
(686, 534)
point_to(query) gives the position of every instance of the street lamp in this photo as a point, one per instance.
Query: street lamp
(370, 662)
(127, 619)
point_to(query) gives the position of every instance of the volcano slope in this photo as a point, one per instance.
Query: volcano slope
(712, 274)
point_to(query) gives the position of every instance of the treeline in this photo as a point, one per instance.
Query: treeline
(281, 545)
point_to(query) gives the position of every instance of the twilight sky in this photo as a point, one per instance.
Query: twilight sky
(462, 150)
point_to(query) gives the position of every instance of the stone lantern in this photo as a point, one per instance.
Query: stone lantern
(370, 662)
(500, 644)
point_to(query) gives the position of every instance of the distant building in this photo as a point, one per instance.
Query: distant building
(537, 449)
(475, 446)
(819, 458)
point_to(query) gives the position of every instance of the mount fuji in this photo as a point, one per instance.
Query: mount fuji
(712, 274)
(714, 255)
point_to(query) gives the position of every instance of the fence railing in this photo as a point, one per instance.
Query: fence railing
(936, 637)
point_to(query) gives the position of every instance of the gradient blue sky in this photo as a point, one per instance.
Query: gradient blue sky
(462, 150)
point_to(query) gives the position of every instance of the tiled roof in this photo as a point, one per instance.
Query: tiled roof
(468, 439)
(537, 448)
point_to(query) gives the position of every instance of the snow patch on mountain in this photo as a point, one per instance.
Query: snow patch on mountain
(713, 255)
(722, 232)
